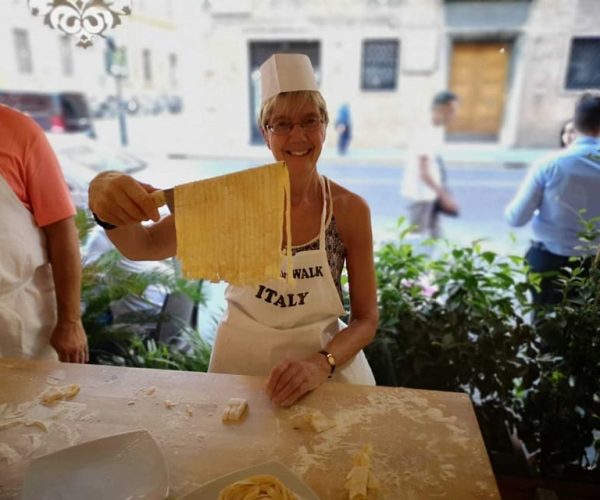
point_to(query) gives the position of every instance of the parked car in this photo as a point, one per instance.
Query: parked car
(82, 158)
(55, 112)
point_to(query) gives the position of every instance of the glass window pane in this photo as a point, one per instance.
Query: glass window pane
(380, 64)
(584, 64)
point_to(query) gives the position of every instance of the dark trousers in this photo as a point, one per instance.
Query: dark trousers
(344, 141)
(541, 260)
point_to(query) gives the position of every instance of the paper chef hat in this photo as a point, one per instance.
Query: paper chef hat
(286, 73)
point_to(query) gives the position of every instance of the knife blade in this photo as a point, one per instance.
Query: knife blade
(164, 197)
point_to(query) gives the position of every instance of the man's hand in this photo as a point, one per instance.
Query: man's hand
(290, 380)
(119, 199)
(70, 342)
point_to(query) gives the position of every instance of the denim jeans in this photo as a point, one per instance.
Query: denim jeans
(541, 260)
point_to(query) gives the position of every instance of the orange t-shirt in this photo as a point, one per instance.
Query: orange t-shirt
(30, 167)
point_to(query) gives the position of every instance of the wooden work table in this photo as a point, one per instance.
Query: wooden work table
(426, 444)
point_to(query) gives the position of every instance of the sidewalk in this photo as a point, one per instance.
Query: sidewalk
(456, 155)
(164, 135)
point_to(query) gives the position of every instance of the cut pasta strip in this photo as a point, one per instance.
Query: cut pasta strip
(257, 487)
(230, 227)
(53, 395)
(361, 482)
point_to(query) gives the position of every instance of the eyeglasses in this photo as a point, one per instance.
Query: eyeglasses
(284, 127)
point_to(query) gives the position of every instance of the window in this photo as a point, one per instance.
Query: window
(584, 64)
(379, 64)
(23, 51)
(66, 55)
(147, 65)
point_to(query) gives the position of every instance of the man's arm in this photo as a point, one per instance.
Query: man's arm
(528, 198)
(426, 177)
(68, 338)
(444, 197)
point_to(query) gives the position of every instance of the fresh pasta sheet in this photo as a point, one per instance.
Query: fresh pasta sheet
(261, 487)
(230, 227)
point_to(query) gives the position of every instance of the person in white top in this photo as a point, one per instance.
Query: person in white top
(290, 334)
(424, 183)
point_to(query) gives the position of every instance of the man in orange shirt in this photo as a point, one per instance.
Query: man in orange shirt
(40, 265)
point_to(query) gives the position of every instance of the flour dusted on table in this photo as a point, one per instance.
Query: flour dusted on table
(313, 421)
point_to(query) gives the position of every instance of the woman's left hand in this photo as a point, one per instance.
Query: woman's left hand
(290, 380)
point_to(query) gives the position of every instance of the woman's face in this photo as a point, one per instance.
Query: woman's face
(300, 148)
(569, 134)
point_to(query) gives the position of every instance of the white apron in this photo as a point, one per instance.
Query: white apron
(27, 299)
(273, 321)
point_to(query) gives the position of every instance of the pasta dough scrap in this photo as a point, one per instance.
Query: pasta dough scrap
(53, 395)
(361, 482)
(229, 227)
(9, 454)
(264, 486)
(314, 421)
(235, 409)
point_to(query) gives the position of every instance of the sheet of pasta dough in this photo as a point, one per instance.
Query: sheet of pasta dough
(230, 227)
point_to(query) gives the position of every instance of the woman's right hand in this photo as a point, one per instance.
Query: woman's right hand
(119, 199)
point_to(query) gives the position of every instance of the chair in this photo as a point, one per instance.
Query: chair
(178, 313)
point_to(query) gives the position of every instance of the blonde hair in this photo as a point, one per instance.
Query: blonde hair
(290, 103)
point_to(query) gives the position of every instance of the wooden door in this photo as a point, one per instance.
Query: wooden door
(479, 77)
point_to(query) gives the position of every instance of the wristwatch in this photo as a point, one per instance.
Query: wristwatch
(330, 359)
(103, 224)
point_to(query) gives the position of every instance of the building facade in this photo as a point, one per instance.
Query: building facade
(517, 65)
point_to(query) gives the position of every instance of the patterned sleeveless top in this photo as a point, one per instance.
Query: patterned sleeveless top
(334, 246)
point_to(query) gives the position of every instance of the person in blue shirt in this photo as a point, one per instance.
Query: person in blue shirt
(552, 195)
(343, 125)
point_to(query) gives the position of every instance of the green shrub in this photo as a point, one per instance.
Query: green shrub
(459, 323)
(129, 342)
(560, 413)
(455, 324)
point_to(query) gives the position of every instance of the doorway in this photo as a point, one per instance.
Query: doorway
(479, 76)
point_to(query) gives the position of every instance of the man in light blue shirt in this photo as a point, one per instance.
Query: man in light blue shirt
(554, 192)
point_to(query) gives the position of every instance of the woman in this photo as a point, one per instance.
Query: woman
(567, 134)
(298, 347)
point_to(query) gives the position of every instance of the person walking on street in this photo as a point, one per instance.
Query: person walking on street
(425, 184)
(552, 195)
(40, 266)
(343, 126)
